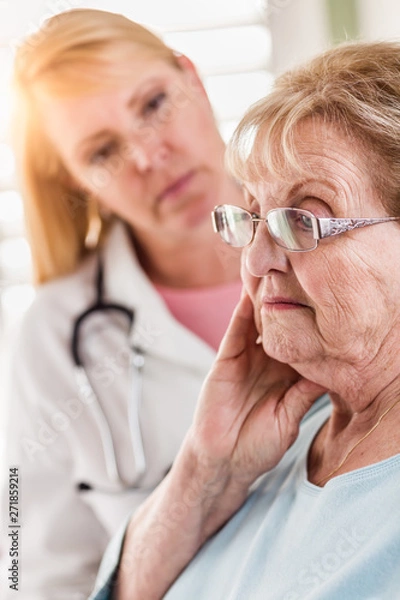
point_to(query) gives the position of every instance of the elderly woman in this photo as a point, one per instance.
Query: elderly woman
(320, 161)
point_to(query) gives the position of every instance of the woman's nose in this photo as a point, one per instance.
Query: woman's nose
(263, 254)
(148, 159)
(148, 153)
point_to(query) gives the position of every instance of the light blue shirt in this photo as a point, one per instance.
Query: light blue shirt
(292, 540)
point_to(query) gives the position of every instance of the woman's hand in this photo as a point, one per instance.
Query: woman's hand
(248, 415)
(250, 406)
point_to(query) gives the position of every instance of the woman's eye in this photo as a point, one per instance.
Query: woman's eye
(305, 222)
(154, 103)
(103, 153)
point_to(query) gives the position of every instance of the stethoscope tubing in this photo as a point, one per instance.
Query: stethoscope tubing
(88, 396)
(136, 365)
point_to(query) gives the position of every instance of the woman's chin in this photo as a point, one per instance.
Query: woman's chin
(192, 215)
(281, 347)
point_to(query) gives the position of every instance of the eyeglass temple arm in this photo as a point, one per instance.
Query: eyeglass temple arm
(329, 227)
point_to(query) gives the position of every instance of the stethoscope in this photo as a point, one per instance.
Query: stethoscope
(90, 399)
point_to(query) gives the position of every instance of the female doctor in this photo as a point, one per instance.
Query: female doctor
(121, 164)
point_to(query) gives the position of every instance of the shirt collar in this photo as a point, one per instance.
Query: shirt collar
(155, 330)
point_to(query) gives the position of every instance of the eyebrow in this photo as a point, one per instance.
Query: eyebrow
(298, 187)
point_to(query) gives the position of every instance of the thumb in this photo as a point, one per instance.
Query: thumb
(300, 397)
(241, 330)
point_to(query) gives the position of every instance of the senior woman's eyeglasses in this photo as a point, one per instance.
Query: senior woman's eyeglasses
(294, 229)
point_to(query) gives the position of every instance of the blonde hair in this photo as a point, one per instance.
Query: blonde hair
(356, 87)
(75, 52)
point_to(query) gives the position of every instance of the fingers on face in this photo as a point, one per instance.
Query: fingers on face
(301, 396)
(241, 330)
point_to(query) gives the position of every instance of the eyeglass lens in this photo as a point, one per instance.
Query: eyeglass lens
(292, 228)
(234, 225)
(289, 227)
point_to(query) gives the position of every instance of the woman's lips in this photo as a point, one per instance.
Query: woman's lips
(281, 303)
(178, 186)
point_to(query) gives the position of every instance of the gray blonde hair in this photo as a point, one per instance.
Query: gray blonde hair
(355, 86)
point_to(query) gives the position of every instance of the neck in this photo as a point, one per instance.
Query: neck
(365, 422)
(199, 260)
(352, 439)
(358, 384)
(187, 267)
(195, 257)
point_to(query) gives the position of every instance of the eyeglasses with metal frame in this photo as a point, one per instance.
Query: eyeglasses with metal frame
(294, 229)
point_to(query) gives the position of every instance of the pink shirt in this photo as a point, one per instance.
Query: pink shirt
(205, 311)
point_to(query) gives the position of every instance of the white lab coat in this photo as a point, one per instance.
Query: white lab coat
(53, 437)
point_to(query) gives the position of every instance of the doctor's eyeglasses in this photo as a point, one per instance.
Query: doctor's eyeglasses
(294, 229)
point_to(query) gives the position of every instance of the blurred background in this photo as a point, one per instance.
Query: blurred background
(238, 45)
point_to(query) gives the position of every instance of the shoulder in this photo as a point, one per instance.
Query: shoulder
(73, 293)
(57, 302)
(40, 366)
